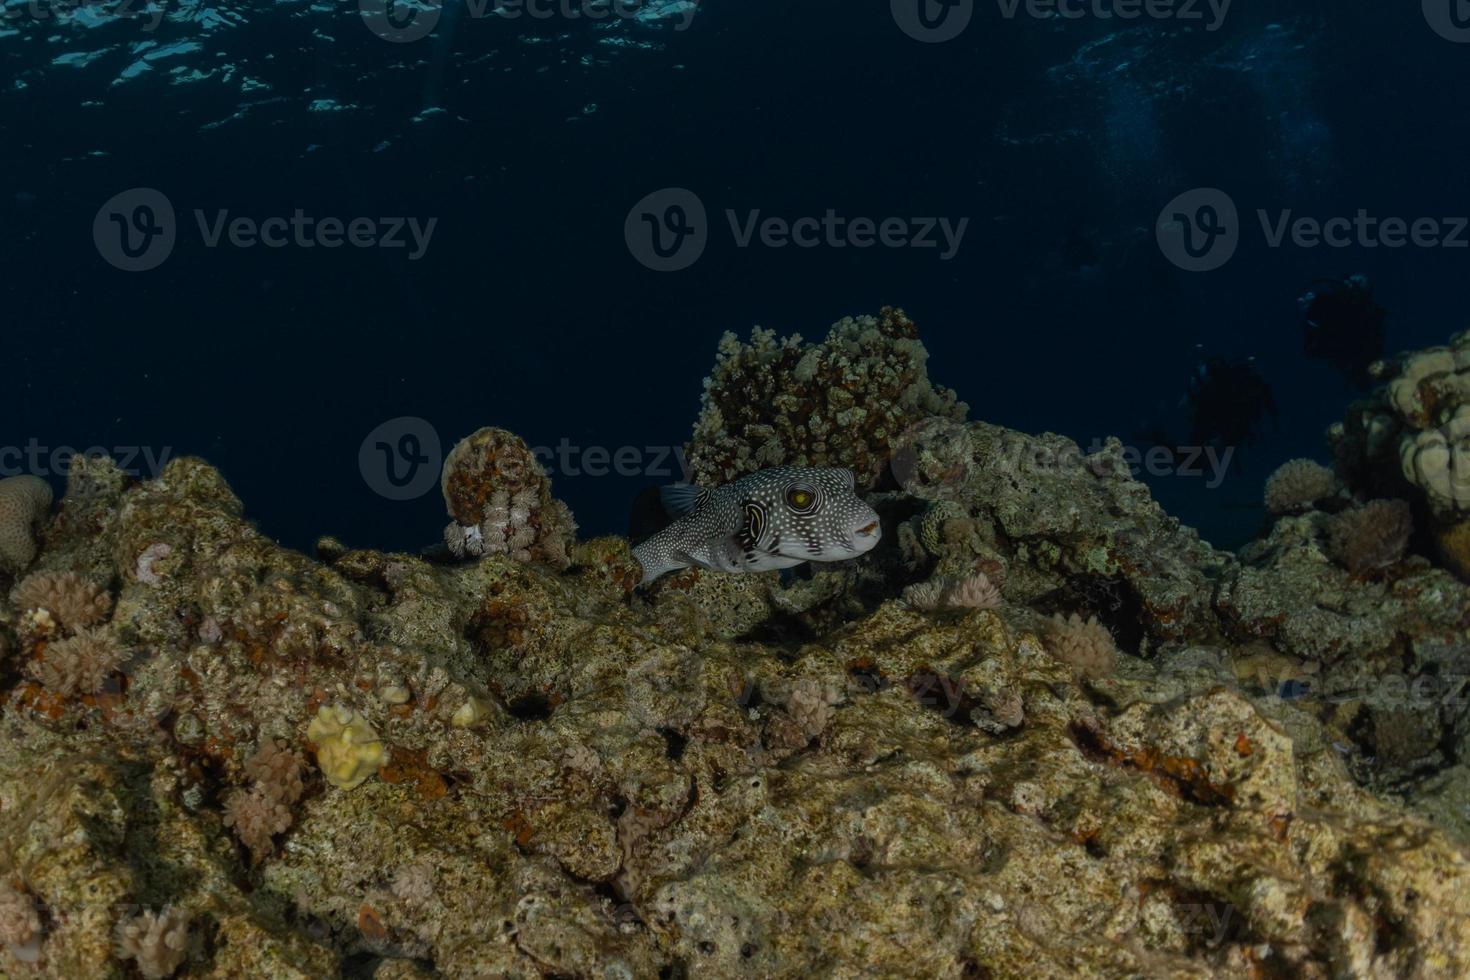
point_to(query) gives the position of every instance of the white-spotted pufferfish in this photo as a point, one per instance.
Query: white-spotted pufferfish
(773, 518)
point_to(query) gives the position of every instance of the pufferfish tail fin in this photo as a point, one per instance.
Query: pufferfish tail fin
(682, 498)
(657, 559)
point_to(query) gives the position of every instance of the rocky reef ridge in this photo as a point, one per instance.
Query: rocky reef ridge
(1082, 743)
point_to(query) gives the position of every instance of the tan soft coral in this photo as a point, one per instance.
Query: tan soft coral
(1084, 644)
(257, 817)
(258, 814)
(79, 664)
(1297, 485)
(157, 941)
(74, 601)
(971, 592)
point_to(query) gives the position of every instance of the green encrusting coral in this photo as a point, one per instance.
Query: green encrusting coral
(551, 774)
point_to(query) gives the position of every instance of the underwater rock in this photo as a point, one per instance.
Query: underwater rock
(501, 503)
(647, 786)
(843, 402)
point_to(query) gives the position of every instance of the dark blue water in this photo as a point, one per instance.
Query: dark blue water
(1060, 142)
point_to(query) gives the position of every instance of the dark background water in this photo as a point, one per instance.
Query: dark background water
(529, 312)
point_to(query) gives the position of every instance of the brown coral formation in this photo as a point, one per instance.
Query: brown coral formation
(500, 502)
(1372, 536)
(1297, 485)
(25, 501)
(843, 402)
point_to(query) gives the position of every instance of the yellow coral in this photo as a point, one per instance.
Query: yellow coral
(347, 748)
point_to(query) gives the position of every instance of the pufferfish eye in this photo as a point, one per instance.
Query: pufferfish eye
(801, 498)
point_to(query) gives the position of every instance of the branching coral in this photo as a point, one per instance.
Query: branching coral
(73, 601)
(24, 503)
(1372, 536)
(1297, 485)
(79, 664)
(158, 941)
(843, 402)
(1085, 645)
(501, 503)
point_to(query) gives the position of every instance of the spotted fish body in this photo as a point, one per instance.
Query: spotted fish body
(773, 518)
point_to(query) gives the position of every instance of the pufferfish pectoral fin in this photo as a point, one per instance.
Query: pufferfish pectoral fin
(682, 498)
(730, 554)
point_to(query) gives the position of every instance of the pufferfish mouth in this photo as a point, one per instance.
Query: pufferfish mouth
(868, 530)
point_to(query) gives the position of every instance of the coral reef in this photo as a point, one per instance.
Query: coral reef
(25, 501)
(1408, 440)
(1297, 485)
(501, 503)
(1152, 758)
(844, 402)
